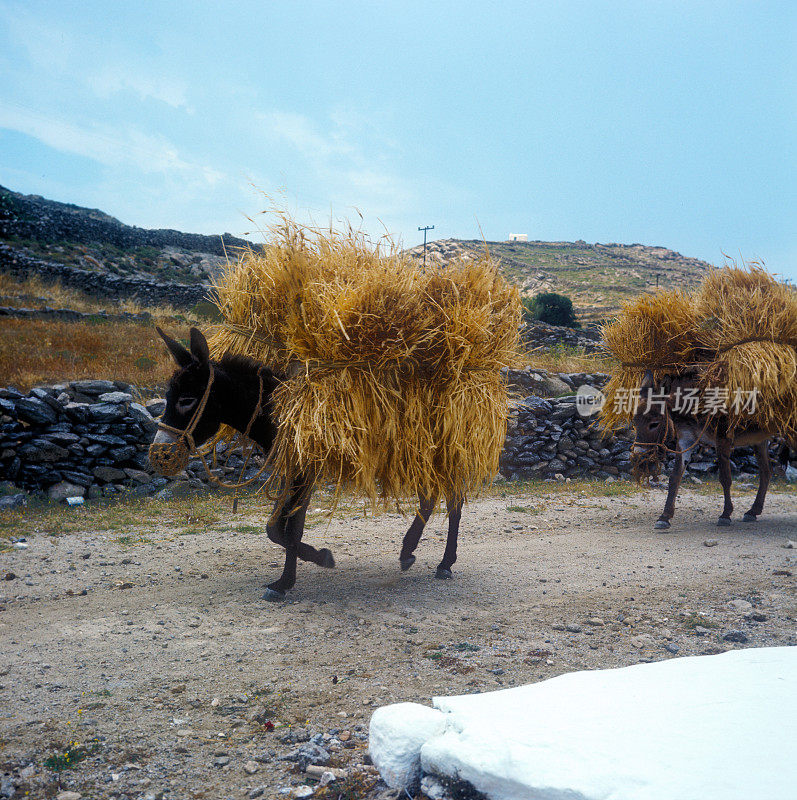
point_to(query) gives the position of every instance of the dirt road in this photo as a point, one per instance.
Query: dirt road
(139, 647)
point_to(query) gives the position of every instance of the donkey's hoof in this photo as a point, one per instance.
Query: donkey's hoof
(723, 522)
(273, 595)
(748, 517)
(661, 524)
(406, 563)
(325, 558)
(444, 574)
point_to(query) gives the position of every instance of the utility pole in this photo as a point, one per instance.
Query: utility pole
(427, 228)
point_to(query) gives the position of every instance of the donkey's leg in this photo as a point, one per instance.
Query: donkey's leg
(276, 526)
(764, 475)
(724, 447)
(413, 535)
(298, 502)
(450, 555)
(663, 522)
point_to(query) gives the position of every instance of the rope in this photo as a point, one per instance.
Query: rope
(170, 457)
(663, 446)
(241, 483)
(719, 352)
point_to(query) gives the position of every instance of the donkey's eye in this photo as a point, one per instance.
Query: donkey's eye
(185, 404)
(654, 425)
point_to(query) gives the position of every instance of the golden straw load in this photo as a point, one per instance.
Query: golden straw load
(737, 333)
(393, 373)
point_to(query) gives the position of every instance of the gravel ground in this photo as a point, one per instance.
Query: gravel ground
(151, 661)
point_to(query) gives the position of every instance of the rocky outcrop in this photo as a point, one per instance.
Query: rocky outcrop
(102, 284)
(34, 217)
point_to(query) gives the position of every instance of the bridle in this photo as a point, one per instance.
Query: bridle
(169, 458)
(185, 435)
(670, 432)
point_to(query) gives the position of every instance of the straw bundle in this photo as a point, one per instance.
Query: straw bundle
(394, 380)
(737, 332)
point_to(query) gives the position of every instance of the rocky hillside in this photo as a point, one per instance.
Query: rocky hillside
(74, 244)
(93, 241)
(597, 277)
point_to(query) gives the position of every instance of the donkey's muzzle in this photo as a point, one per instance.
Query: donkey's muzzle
(169, 458)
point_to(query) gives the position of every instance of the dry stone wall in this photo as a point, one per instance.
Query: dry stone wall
(102, 284)
(90, 439)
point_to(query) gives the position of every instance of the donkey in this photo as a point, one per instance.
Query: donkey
(203, 394)
(660, 428)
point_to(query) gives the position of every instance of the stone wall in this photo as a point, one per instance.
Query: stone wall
(540, 334)
(90, 439)
(34, 217)
(102, 284)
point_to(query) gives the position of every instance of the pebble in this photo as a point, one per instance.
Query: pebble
(671, 648)
(573, 628)
(701, 631)
(257, 792)
(711, 543)
(736, 636)
(221, 761)
(643, 640)
(303, 791)
(68, 796)
(756, 616)
(742, 606)
(251, 767)
(597, 621)
(790, 545)
(309, 753)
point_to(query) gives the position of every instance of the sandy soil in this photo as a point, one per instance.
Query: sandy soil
(174, 670)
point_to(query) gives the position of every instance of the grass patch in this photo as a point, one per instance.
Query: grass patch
(129, 540)
(695, 620)
(581, 487)
(39, 351)
(524, 509)
(71, 757)
(247, 529)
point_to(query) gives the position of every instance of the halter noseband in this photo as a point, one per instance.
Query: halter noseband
(169, 458)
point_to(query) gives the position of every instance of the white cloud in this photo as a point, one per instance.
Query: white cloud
(347, 162)
(110, 146)
(120, 78)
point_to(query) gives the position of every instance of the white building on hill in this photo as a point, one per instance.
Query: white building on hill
(518, 237)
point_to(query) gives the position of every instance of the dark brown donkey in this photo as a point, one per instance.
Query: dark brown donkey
(661, 429)
(203, 394)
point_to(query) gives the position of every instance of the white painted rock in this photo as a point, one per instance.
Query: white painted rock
(702, 728)
(395, 737)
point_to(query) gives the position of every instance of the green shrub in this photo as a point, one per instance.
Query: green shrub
(208, 311)
(555, 309)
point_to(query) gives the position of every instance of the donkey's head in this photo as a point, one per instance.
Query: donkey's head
(652, 426)
(192, 413)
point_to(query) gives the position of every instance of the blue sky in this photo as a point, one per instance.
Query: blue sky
(666, 123)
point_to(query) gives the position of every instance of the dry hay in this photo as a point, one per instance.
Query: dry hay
(736, 332)
(393, 372)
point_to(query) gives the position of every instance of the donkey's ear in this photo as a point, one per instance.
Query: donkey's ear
(647, 381)
(179, 353)
(199, 346)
